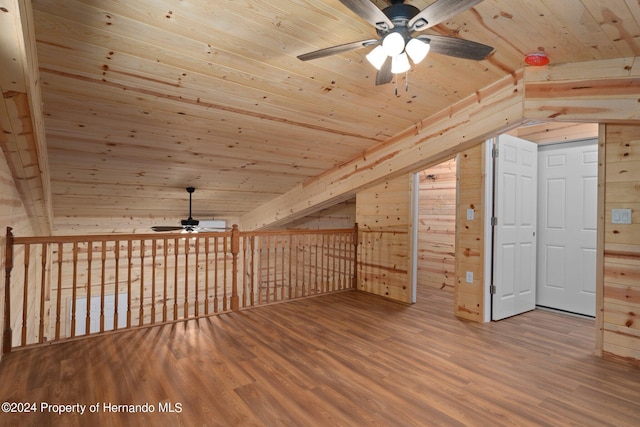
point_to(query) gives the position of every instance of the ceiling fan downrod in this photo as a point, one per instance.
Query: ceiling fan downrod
(190, 222)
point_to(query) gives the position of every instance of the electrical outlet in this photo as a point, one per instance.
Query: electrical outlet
(470, 214)
(469, 277)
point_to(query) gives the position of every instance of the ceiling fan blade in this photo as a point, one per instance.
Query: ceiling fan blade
(459, 48)
(370, 13)
(166, 228)
(337, 49)
(439, 11)
(385, 75)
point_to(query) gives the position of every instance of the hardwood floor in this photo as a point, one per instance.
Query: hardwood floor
(347, 359)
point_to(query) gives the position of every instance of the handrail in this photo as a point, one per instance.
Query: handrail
(71, 286)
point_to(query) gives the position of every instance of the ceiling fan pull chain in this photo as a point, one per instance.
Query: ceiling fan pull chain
(406, 81)
(396, 84)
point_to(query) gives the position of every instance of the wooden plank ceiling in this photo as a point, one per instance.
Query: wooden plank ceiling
(144, 98)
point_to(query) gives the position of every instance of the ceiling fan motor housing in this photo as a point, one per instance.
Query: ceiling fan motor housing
(400, 14)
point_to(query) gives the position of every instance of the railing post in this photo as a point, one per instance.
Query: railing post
(7, 334)
(235, 249)
(355, 256)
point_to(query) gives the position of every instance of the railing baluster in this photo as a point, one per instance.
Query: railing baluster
(74, 289)
(244, 271)
(275, 268)
(224, 280)
(259, 270)
(295, 243)
(336, 263)
(129, 266)
(87, 324)
(268, 275)
(102, 275)
(186, 278)
(43, 281)
(154, 253)
(25, 294)
(175, 279)
(59, 291)
(289, 271)
(206, 276)
(354, 262)
(196, 312)
(235, 249)
(323, 273)
(252, 278)
(165, 268)
(141, 319)
(116, 295)
(165, 294)
(344, 261)
(282, 267)
(309, 269)
(215, 268)
(315, 264)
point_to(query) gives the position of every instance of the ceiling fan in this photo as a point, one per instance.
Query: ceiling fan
(396, 25)
(191, 225)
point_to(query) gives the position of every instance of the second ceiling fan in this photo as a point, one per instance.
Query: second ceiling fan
(396, 25)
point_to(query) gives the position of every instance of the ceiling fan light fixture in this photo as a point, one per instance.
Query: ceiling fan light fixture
(393, 44)
(377, 57)
(417, 50)
(400, 63)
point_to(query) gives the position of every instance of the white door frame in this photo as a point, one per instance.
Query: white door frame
(488, 228)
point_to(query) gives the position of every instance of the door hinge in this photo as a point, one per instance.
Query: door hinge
(494, 221)
(494, 152)
(492, 289)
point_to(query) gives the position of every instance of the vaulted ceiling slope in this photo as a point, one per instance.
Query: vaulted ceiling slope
(140, 99)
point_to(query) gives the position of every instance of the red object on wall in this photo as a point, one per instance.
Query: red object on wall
(536, 59)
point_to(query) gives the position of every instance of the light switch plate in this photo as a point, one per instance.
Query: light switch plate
(621, 216)
(470, 214)
(469, 278)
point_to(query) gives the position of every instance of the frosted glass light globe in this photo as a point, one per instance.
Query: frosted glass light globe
(417, 50)
(400, 64)
(377, 57)
(393, 44)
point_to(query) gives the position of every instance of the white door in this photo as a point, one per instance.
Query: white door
(515, 199)
(567, 218)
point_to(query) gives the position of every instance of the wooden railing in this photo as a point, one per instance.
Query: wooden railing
(71, 286)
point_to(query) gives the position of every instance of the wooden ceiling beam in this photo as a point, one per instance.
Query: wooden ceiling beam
(22, 135)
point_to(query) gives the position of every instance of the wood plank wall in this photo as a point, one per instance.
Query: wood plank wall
(470, 238)
(341, 215)
(437, 226)
(383, 217)
(620, 317)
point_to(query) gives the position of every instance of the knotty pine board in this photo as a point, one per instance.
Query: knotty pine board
(436, 226)
(621, 260)
(383, 217)
(469, 242)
